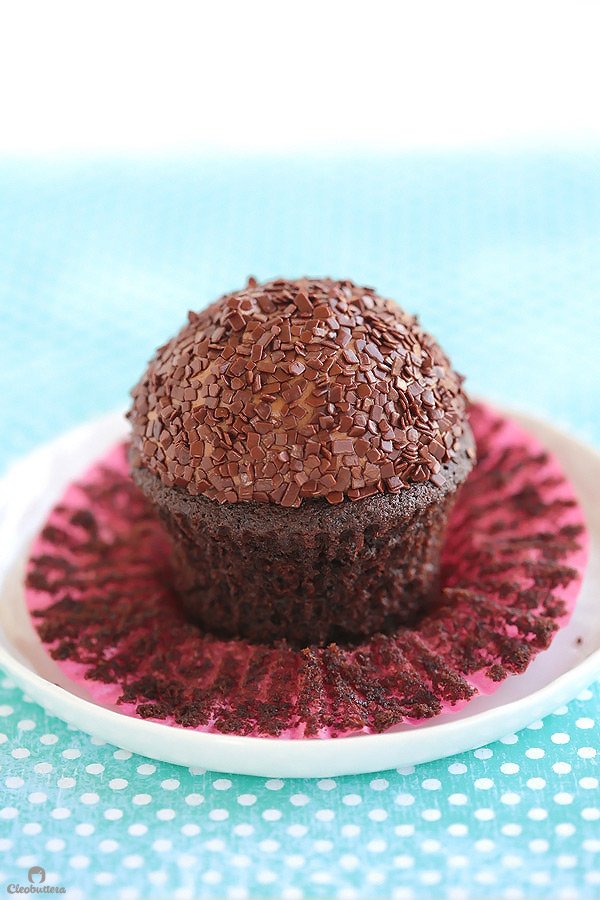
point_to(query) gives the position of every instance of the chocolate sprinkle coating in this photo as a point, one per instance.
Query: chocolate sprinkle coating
(505, 557)
(298, 389)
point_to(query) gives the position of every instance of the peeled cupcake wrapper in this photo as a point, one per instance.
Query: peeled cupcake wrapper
(99, 589)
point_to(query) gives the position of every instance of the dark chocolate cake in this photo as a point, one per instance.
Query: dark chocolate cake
(303, 443)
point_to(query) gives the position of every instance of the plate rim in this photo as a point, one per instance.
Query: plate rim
(290, 757)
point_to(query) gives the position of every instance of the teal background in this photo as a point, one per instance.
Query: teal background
(99, 262)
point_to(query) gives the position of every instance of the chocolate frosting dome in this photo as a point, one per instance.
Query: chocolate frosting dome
(298, 389)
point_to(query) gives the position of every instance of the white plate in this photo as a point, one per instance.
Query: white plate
(33, 485)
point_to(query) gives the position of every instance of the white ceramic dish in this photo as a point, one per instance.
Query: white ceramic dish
(32, 486)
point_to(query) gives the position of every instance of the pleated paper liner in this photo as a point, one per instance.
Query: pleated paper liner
(99, 591)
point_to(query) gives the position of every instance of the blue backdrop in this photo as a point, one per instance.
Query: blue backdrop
(99, 263)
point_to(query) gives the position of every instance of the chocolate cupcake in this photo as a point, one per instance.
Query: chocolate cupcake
(303, 443)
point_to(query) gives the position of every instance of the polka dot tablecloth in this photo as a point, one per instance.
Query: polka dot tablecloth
(99, 262)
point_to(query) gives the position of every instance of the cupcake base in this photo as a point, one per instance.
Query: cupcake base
(99, 588)
(311, 575)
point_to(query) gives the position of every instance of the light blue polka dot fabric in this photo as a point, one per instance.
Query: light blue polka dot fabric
(99, 263)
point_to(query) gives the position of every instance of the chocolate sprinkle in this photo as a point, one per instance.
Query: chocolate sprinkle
(501, 568)
(344, 382)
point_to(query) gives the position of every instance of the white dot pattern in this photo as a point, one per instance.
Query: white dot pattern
(279, 831)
